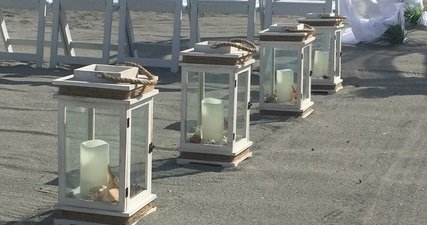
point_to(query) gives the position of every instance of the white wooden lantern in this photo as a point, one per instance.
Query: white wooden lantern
(327, 52)
(215, 105)
(285, 70)
(105, 153)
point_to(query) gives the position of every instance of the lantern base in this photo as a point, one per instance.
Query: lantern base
(303, 113)
(213, 159)
(326, 88)
(65, 217)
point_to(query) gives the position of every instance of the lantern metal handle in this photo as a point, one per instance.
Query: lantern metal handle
(239, 43)
(151, 147)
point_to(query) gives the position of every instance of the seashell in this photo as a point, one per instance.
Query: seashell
(196, 139)
(271, 99)
(113, 195)
(293, 95)
(210, 141)
(113, 181)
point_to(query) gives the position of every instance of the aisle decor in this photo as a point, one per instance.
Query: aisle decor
(326, 59)
(285, 69)
(105, 130)
(216, 103)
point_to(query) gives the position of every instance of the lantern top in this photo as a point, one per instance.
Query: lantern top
(207, 53)
(89, 81)
(208, 47)
(294, 32)
(323, 19)
(88, 73)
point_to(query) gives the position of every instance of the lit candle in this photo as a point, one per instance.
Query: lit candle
(321, 63)
(212, 120)
(94, 160)
(284, 82)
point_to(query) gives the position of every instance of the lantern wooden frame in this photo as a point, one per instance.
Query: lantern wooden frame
(129, 209)
(283, 41)
(235, 151)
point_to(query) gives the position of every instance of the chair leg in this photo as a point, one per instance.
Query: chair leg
(55, 35)
(130, 36)
(328, 6)
(194, 23)
(5, 34)
(108, 22)
(251, 20)
(123, 32)
(40, 33)
(126, 38)
(60, 30)
(268, 13)
(261, 13)
(337, 7)
(176, 42)
(65, 33)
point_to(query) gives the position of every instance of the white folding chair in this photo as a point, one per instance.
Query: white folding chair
(61, 33)
(9, 42)
(197, 7)
(295, 8)
(127, 48)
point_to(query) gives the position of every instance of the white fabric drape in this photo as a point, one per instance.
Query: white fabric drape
(369, 19)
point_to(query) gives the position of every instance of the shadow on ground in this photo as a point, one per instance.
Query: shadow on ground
(387, 70)
(45, 218)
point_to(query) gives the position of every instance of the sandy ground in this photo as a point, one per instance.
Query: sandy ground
(360, 158)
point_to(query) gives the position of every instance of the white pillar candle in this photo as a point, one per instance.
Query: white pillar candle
(321, 63)
(94, 160)
(284, 82)
(212, 120)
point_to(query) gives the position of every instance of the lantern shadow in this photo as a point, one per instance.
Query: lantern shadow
(54, 182)
(258, 118)
(166, 168)
(29, 70)
(382, 88)
(27, 74)
(380, 71)
(174, 126)
(45, 218)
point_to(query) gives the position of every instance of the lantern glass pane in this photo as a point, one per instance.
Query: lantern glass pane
(242, 105)
(139, 145)
(322, 49)
(107, 128)
(267, 73)
(280, 75)
(94, 154)
(193, 114)
(306, 84)
(76, 132)
(212, 111)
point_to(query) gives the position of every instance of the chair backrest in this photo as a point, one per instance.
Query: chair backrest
(83, 5)
(301, 7)
(37, 57)
(225, 6)
(294, 8)
(154, 5)
(19, 4)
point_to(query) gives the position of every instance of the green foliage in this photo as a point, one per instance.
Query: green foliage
(413, 14)
(395, 34)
